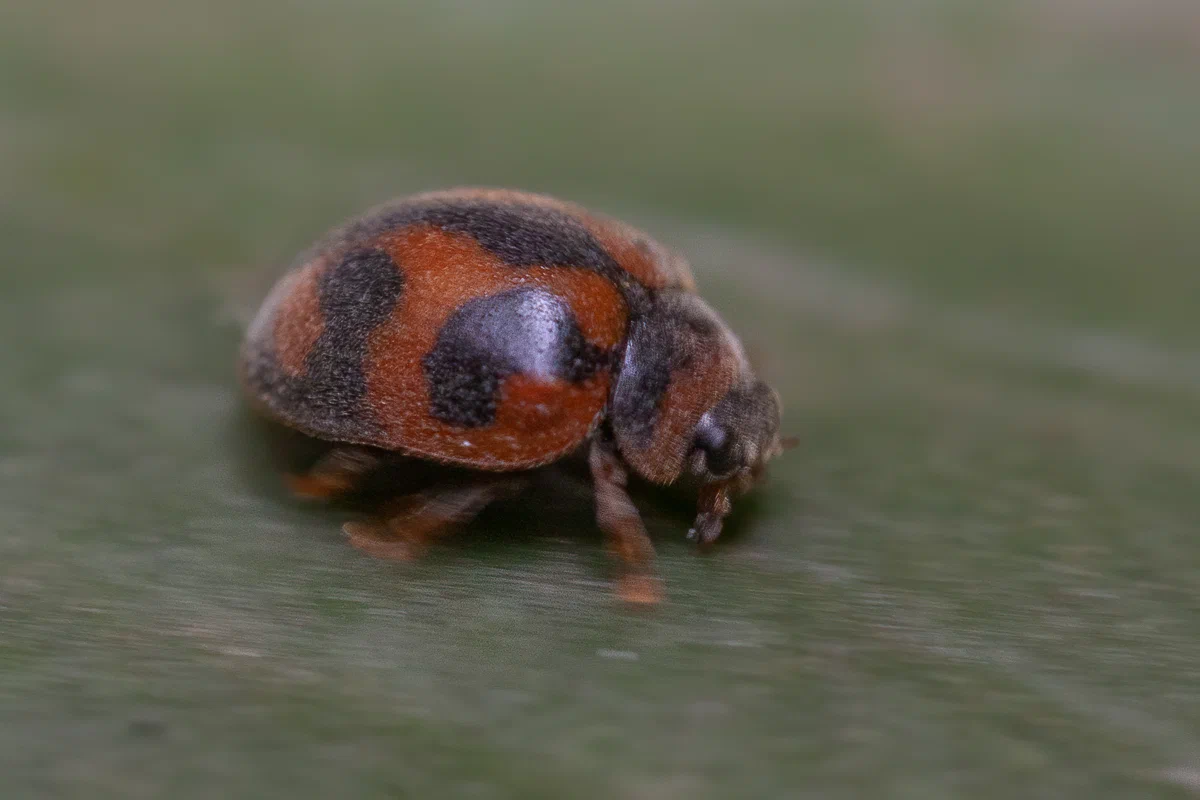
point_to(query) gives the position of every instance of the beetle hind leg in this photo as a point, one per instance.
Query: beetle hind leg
(622, 525)
(407, 532)
(336, 472)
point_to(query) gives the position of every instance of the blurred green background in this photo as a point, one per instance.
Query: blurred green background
(961, 237)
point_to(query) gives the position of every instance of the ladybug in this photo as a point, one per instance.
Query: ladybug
(501, 331)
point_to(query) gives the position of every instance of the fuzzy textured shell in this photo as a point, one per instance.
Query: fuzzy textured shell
(473, 327)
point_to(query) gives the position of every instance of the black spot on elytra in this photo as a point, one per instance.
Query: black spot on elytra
(357, 295)
(522, 235)
(520, 331)
(519, 234)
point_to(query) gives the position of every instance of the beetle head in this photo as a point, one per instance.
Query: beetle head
(738, 435)
(687, 401)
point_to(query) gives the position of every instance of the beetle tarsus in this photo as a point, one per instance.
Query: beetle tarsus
(426, 517)
(714, 506)
(377, 539)
(639, 589)
(706, 530)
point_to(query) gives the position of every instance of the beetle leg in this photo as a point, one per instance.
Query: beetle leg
(714, 506)
(622, 525)
(424, 517)
(336, 472)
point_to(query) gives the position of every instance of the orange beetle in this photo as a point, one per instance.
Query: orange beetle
(500, 331)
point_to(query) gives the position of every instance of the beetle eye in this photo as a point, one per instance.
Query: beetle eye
(720, 453)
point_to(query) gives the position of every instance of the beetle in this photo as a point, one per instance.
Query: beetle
(501, 331)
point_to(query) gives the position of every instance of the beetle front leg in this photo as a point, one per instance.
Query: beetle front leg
(622, 525)
(421, 519)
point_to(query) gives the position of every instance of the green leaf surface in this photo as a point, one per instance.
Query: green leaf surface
(959, 237)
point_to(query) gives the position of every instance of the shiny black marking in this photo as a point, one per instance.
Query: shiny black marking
(676, 332)
(520, 331)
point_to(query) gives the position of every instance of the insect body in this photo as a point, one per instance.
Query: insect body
(501, 331)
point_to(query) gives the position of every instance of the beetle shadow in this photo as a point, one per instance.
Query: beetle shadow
(557, 504)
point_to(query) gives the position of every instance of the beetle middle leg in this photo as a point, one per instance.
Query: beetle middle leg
(408, 530)
(622, 524)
